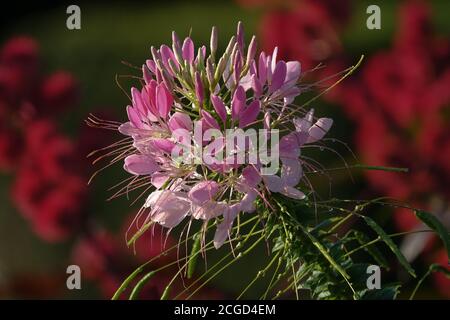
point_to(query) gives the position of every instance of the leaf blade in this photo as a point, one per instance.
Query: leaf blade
(383, 235)
(431, 221)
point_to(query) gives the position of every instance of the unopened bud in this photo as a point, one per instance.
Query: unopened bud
(213, 42)
(176, 47)
(251, 50)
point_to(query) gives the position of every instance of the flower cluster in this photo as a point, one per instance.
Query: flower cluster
(184, 88)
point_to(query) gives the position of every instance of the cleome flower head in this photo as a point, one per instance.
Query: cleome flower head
(211, 134)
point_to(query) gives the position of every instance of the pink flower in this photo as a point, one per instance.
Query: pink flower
(168, 207)
(309, 131)
(273, 80)
(233, 91)
(140, 165)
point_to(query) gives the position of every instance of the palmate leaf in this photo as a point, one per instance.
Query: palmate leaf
(382, 234)
(432, 222)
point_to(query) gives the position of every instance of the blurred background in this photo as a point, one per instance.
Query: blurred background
(393, 111)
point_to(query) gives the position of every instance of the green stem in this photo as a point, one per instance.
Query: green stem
(137, 289)
(251, 233)
(240, 255)
(260, 274)
(272, 280)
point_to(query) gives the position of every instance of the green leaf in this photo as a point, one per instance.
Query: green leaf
(438, 268)
(401, 258)
(371, 250)
(194, 255)
(137, 289)
(358, 274)
(386, 293)
(431, 221)
(325, 253)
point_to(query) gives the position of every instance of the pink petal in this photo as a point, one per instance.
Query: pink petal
(262, 68)
(252, 176)
(201, 53)
(164, 100)
(267, 119)
(238, 103)
(152, 115)
(240, 36)
(138, 104)
(210, 122)
(247, 203)
(151, 65)
(208, 210)
(319, 129)
(140, 165)
(163, 145)
(303, 124)
(250, 114)
(273, 183)
(278, 76)
(180, 120)
(219, 106)
(151, 96)
(256, 86)
(274, 59)
(290, 94)
(128, 129)
(170, 209)
(203, 191)
(146, 74)
(199, 88)
(166, 54)
(251, 49)
(237, 67)
(134, 117)
(224, 228)
(159, 179)
(293, 193)
(188, 50)
(289, 147)
(293, 69)
(291, 172)
(246, 80)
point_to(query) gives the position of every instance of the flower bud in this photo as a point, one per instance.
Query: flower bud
(213, 42)
(240, 36)
(251, 50)
(210, 73)
(176, 47)
(155, 53)
(230, 46)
